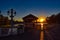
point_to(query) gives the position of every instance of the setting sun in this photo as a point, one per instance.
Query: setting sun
(41, 19)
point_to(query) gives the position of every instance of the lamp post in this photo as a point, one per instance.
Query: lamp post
(11, 13)
(0, 12)
(0, 18)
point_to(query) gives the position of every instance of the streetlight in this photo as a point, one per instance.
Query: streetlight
(0, 12)
(11, 13)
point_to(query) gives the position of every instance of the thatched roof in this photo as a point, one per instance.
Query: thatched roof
(30, 17)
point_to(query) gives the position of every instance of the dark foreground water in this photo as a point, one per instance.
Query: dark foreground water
(31, 36)
(49, 34)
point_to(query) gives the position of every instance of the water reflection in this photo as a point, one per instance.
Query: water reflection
(41, 26)
(42, 32)
(42, 35)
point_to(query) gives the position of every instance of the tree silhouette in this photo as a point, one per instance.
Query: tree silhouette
(54, 18)
(51, 19)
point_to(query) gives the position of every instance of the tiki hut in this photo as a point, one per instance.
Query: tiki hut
(29, 21)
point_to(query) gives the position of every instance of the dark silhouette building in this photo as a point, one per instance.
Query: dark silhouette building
(3, 20)
(30, 22)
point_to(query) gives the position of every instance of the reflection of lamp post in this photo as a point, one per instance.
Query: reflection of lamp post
(11, 13)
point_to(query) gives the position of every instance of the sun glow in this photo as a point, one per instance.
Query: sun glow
(41, 19)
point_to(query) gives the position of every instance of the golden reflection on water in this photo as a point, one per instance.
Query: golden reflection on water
(42, 32)
(41, 26)
(42, 35)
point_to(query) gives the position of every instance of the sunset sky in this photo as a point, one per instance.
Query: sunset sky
(35, 7)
